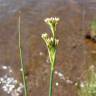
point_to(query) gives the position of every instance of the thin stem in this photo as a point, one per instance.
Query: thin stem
(52, 71)
(51, 82)
(53, 31)
(21, 59)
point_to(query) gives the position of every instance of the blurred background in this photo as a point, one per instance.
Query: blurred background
(74, 55)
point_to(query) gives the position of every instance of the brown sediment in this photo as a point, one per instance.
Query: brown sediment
(73, 56)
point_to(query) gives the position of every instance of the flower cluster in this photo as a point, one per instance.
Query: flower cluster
(52, 22)
(52, 41)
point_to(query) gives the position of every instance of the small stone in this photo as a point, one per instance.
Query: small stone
(60, 74)
(56, 72)
(4, 67)
(41, 53)
(69, 81)
(57, 84)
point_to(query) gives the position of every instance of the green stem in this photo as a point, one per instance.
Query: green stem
(51, 82)
(21, 60)
(53, 31)
(52, 60)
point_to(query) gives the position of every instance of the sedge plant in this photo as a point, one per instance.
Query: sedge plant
(23, 71)
(51, 43)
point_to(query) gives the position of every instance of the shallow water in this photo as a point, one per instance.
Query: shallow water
(74, 55)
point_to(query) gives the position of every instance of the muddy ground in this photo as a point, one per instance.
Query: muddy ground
(75, 53)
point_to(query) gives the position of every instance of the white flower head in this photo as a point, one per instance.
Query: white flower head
(4, 67)
(52, 22)
(44, 36)
(52, 19)
(56, 42)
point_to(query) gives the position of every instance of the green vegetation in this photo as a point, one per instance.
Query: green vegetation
(51, 43)
(88, 87)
